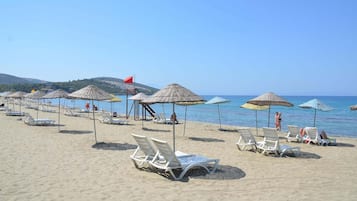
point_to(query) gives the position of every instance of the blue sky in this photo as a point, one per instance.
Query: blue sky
(290, 47)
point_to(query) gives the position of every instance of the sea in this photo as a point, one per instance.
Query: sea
(340, 121)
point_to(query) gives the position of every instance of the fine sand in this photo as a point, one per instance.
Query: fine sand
(39, 163)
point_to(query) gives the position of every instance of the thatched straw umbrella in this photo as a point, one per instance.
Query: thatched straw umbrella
(353, 107)
(175, 94)
(59, 93)
(92, 93)
(36, 95)
(17, 95)
(270, 99)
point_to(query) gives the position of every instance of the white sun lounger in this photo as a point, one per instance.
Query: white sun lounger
(178, 166)
(271, 144)
(293, 134)
(29, 120)
(246, 139)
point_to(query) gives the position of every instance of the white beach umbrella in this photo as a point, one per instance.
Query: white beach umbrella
(316, 105)
(92, 93)
(218, 100)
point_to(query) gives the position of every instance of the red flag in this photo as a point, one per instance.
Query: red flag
(128, 80)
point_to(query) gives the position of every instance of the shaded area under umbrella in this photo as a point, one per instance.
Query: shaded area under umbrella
(59, 93)
(316, 105)
(175, 94)
(269, 99)
(256, 108)
(92, 93)
(218, 100)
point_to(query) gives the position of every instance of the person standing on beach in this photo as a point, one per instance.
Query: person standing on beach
(278, 121)
(87, 106)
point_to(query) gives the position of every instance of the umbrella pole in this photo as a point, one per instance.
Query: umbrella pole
(173, 128)
(315, 118)
(269, 117)
(219, 117)
(95, 132)
(184, 126)
(59, 114)
(38, 107)
(256, 121)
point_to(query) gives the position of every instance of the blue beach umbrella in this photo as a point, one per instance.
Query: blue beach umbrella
(316, 105)
(218, 100)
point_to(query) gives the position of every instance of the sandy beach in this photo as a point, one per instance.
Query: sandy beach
(39, 163)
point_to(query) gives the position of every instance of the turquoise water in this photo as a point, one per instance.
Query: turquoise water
(339, 122)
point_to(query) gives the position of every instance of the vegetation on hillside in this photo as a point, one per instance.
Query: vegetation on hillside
(110, 85)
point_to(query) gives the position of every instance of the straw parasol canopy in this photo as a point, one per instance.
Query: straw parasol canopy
(36, 95)
(59, 93)
(316, 105)
(269, 99)
(250, 106)
(218, 100)
(353, 107)
(16, 95)
(92, 93)
(175, 94)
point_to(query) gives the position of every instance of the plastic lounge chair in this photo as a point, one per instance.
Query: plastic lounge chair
(108, 119)
(312, 136)
(293, 134)
(144, 153)
(69, 112)
(246, 139)
(327, 140)
(271, 144)
(29, 120)
(14, 113)
(161, 119)
(178, 166)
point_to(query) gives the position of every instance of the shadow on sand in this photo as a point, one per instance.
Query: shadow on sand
(155, 130)
(75, 132)
(202, 139)
(224, 172)
(308, 155)
(113, 146)
(340, 144)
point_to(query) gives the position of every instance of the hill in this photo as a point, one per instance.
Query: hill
(108, 84)
(10, 79)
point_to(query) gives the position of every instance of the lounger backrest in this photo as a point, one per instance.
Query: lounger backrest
(312, 133)
(166, 152)
(247, 136)
(293, 130)
(29, 119)
(144, 144)
(271, 137)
